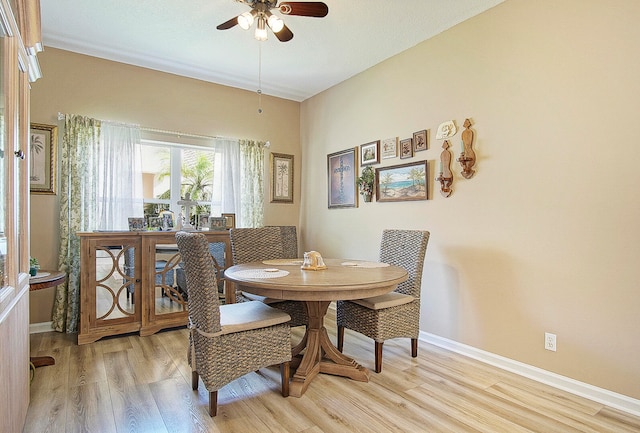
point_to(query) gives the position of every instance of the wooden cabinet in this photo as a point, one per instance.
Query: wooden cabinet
(134, 281)
(18, 66)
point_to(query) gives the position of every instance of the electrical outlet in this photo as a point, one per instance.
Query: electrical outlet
(550, 341)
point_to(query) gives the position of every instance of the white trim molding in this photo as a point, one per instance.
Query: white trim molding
(600, 395)
(37, 328)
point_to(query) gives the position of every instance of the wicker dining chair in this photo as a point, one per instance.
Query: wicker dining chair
(395, 314)
(289, 237)
(228, 341)
(264, 243)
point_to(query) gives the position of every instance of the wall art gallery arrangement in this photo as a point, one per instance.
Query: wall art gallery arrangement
(400, 182)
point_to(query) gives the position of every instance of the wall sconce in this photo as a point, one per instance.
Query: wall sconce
(467, 158)
(446, 176)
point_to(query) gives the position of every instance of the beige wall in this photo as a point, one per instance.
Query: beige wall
(78, 84)
(545, 237)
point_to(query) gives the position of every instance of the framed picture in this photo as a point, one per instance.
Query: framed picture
(230, 219)
(42, 155)
(167, 220)
(203, 221)
(154, 224)
(406, 148)
(420, 141)
(370, 153)
(389, 148)
(217, 223)
(342, 170)
(137, 224)
(402, 182)
(281, 178)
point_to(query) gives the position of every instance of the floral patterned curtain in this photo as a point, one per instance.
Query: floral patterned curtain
(79, 158)
(252, 183)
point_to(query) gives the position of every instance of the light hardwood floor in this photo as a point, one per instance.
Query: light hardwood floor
(142, 384)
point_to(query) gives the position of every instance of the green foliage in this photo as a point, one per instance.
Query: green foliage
(197, 179)
(366, 180)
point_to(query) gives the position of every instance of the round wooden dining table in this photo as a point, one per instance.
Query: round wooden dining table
(341, 280)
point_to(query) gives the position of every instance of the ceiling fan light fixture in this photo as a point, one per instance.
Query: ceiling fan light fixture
(275, 23)
(245, 21)
(261, 30)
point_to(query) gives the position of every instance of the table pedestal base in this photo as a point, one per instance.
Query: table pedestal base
(41, 361)
(320, 355)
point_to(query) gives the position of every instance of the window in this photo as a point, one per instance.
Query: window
(172, 172)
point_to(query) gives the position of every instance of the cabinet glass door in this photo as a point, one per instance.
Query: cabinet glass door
(3, 173)
(168, 297)
(115, 282)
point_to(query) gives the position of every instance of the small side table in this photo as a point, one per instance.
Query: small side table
(44, 280)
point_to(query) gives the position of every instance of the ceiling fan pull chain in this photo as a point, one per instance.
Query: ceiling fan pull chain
(259, 78)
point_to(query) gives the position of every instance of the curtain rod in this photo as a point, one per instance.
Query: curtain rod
(158, 131)
(180, 134)
(167, 132)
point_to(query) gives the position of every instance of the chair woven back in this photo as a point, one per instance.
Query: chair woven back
(254, 244)
(289, 241)
(202, 287)
(406, 248)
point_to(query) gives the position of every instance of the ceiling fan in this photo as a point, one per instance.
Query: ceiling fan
(261, 11)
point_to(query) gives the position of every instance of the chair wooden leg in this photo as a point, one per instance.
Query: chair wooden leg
(285, 373)
(414, 347)
(378, 357)
(213, 403)
(194, 380)
(340, 338)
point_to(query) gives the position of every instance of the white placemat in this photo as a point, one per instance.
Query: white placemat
(358, 264)
(284, 262)
(42, 274)
(261, 273)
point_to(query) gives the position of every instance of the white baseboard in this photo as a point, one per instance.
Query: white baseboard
(606, 397)
(600, 395)
(36, 328)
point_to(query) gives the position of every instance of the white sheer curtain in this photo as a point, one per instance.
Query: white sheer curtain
(119, 176)
(227, 178)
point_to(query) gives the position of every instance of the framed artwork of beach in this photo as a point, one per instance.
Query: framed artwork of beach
(402, 182)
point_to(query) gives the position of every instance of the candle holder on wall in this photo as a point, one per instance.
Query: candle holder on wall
(446, 176)
(467, 158)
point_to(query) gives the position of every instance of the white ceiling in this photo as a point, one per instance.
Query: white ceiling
(180, 37)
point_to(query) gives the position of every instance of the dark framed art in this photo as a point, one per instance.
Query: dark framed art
(281, 178)
(231, 220)
(217, 223)
(402, 182)
(420, 141)
(370, 153)
(406, 148)
(42, 156)
(342, 169)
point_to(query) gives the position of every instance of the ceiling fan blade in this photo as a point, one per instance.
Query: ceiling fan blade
(228, 24)
(305, 9)
(284, 35)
